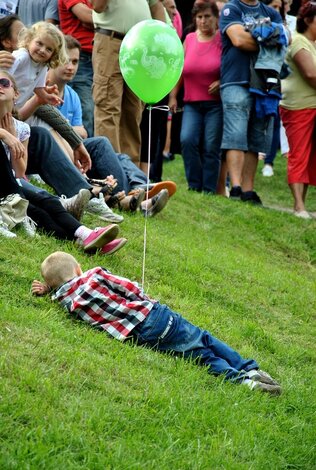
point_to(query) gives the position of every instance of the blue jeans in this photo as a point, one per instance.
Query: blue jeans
(167, 331)
(105, 161)
(243, 130)
(46, 158)
(275, 144)
(82, 84)
(201, 136)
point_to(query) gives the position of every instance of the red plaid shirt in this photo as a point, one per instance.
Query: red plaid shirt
(111, 303)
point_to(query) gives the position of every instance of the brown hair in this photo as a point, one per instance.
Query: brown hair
(201, 6)
(15, 112)
(5, 28)
(71, 42)
(305, 16)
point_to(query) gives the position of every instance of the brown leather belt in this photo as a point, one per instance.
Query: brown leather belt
(110, 32)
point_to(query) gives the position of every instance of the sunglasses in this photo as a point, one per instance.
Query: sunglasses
(5, 83)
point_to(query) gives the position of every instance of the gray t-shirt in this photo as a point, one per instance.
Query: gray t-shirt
(32, 11)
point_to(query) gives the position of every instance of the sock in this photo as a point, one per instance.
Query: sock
(82, 232)
(250, 383)
(252, 372)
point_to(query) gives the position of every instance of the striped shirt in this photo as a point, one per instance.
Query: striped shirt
(110, 303)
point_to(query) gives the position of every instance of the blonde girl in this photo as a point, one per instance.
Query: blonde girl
(41, 46)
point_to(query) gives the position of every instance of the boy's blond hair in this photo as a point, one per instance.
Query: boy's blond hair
(59, 56)
(58, 268)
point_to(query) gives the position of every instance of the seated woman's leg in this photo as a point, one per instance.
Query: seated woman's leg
(47, 159)
(49, 214)
(8, 183)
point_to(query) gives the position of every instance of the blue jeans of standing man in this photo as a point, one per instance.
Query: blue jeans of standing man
(82, 84)
(201, 136)
(167, 331)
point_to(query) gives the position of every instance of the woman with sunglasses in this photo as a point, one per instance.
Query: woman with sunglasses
(298, 108)
(44, 209)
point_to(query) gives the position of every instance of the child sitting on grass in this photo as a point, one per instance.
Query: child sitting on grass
(118, 306)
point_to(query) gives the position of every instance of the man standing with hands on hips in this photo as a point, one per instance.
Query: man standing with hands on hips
(117, 110)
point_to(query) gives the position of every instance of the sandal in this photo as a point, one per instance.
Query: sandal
(106, 188)
(128, 203)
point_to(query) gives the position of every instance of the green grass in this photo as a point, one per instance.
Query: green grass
(72, 398)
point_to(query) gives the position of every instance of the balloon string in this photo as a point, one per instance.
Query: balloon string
(147, 190)
(161, 108)
(150, 108)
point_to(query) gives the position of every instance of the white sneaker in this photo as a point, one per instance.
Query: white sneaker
(4, 230)
(29, 226)
(97, 205)
(76, 205)
(267, 170)
(302, 214)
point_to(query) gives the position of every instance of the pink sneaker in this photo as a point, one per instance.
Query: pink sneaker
(99, 237)
(113, 246)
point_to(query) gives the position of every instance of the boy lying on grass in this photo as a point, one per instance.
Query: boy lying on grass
(118, 306)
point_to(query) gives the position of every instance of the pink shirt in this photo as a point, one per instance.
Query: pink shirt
(201, 67)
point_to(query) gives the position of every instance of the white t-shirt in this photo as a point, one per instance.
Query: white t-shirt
(28, 75)
(23, 133)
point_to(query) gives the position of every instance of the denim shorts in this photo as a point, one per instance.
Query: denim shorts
(242, 129)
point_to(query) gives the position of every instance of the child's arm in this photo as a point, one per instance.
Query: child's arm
(48, 95)
(39, 288)
(41, 97)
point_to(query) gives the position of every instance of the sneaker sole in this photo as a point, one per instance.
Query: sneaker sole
(160, 204)
(84, 198)
(170, 186)
(104, 238)
(117, 247)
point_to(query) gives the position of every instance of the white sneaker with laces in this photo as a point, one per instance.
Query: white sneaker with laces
(267, 170)
(4, 230)
(97, 205)
(76, 205)
(29, 226)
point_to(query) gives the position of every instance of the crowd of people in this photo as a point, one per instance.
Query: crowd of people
(68, 119)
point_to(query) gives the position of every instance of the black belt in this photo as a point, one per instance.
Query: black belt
(110, 32)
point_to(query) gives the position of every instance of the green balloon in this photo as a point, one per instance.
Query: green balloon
(151, 60)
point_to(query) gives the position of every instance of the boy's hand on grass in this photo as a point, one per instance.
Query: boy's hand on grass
(39, 288)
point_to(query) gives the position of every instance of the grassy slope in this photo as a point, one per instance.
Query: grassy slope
(73, 398)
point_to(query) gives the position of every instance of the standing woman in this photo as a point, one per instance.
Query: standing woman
(201, 130)
(298, 108)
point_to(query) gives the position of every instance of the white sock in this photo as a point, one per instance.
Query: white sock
(251, 373)
(249, 382)
(82, 232)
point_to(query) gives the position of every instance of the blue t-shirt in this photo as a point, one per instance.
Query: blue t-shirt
(235, 67)
(71, 108)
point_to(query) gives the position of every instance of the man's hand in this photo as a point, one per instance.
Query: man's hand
(39, 288)
(6, 60)
(82, 158)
